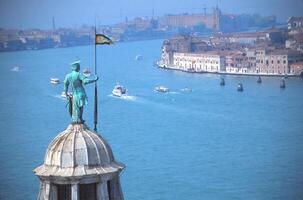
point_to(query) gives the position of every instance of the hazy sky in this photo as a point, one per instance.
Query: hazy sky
(71, 13)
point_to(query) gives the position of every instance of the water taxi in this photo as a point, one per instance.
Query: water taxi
(55, 81)
(119, 90)
(161, 89)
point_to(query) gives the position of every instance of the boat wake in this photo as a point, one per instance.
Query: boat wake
(174, 93)
(58, 96)
(125, 97)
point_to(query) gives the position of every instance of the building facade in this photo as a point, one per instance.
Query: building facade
(199, 62)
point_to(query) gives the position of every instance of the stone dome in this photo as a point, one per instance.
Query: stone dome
(78, 151)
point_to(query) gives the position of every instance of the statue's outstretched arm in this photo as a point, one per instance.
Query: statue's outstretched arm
(86, 80)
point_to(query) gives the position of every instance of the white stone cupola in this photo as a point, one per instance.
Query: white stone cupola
(79, 165)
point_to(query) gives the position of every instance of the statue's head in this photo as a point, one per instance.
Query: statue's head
(75, 66)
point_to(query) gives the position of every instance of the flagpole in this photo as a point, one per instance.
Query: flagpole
(96, 91)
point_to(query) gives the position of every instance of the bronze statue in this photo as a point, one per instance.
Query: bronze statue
(78, 98)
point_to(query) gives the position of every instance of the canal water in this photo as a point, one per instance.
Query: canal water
(211, 143)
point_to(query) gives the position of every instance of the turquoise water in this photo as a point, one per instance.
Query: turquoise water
(212, 143)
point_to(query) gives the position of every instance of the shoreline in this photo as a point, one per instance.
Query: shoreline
(226, 73)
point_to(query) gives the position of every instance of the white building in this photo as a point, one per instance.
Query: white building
(199, 62)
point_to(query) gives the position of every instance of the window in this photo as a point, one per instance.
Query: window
(64, 192)
(88, 191)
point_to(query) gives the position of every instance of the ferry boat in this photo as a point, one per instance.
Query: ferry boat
(55, 81)
(259, 80)
(161, 89)
(86, 72)
(222, 82)
(119, 90)
(282, 84)
(240, 87)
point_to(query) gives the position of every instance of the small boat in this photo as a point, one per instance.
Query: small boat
(186, 89)
(161, 89)
(259, 80)
(15, 69)
(240, 87)
(54, 81)
(282, 84)
(222, 82)
(138, 57)
(86, 72)
(64, 96)
(119, 90)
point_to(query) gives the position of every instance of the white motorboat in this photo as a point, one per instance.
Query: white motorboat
(161, 89)
(64, 96)
(55, 81)
(119, 90)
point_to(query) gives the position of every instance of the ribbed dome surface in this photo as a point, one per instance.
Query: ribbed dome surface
(77, 151)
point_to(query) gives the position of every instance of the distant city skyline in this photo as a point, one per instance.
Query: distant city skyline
(69, 13)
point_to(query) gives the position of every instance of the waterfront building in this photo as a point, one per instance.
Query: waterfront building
(297, 68)
(79, 165)
(295, 25)
(273, 36)
(237, 62)
(199, 62)
(211, 21)
(277, 62)
(295, 42)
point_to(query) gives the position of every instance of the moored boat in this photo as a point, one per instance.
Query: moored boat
(259, 80)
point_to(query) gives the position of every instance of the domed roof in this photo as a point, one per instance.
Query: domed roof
(78, 151)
